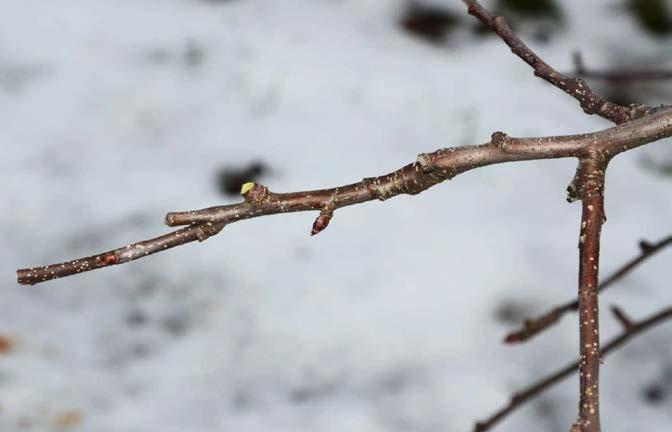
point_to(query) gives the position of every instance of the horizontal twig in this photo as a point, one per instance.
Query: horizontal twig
(428, 170)
(433, 168)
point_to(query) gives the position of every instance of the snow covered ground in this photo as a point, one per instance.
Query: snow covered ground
(113, 113)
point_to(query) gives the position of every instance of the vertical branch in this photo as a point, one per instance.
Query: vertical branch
(588, 186)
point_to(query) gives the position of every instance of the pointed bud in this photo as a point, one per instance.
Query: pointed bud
(322, 221)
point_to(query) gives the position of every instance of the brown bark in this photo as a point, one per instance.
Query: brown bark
(428, 170)
(590, 102)
(589, 188)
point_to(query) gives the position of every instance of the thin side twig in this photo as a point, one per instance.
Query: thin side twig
(534, 326)
(590, 101)
(622, 318)
(530, 392)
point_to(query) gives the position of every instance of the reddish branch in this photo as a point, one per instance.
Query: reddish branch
(619, 75)
(121, 255)
(534, 326)
(590, 102)
(528, 393)
(588, 186)
(433, 168)
(428, 170)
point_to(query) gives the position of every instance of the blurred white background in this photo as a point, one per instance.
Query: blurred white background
(114, 113)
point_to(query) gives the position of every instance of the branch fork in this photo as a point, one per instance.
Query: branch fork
(589, 178)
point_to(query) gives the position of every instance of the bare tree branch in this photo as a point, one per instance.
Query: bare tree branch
(428, 170)
(433, 168)
(588, 186)
(590, 102)
(532, 327)
(528, 393)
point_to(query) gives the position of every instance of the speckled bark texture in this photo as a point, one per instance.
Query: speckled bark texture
(589, 188)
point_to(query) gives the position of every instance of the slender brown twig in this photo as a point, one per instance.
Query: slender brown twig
(532, 327)
(629, 75)
(528, 393)
(428, 170)
(590, 102)
(121, 255)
